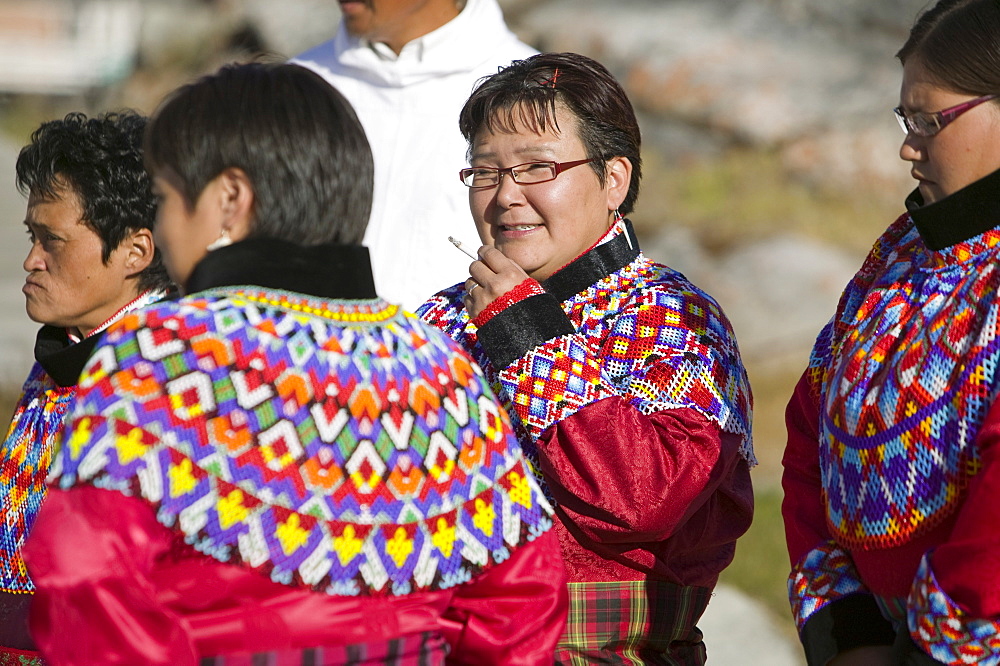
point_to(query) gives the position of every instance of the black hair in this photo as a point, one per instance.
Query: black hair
(527, 91)
(958, 44)
(100, 160)
(293, 134)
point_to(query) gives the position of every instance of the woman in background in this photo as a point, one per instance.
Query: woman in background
(893, 461)
(281, 467)
(624, 379)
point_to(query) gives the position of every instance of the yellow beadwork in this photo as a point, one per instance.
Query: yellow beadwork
(182, 481)
(520, 489)
(129, 446)
(347, 545)
(291, 535)
(399, 547)
(373, 317)
(80, 436)
(231, 509)
(485, 515)
(444, 538)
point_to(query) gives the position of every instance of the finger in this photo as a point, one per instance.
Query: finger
(482, 273)
(493, 258)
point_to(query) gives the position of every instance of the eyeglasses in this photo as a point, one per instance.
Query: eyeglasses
(929, 124)
(528, 173)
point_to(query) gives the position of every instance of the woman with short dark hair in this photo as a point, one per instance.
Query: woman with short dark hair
(891, 468)
(91, 260)
(624, 380)
(281, 467)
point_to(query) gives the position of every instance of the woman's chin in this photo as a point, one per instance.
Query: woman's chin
(930, 192)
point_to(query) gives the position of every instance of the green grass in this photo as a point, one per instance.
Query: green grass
(760, 567)
(746, 194)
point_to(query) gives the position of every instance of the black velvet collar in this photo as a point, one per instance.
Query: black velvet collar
(324, 271)
(62, 359)
(594, 265)
(965, 214)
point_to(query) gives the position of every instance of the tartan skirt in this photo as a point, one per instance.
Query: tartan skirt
(633, 623)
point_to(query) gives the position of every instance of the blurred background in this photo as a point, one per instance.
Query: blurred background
(770, 151)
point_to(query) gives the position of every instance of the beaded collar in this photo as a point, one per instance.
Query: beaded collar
(908, 372)
(327, 441)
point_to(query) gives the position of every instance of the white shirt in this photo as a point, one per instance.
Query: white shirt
(409, 106)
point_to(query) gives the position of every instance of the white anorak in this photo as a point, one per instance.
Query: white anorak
(409, 106)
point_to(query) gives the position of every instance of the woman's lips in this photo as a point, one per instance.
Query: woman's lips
(512, 231)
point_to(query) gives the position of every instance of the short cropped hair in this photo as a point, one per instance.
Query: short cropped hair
(100, 160)
(958, 44)
(529, 90)
(294, 135)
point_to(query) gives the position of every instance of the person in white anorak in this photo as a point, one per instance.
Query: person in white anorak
(407, 67)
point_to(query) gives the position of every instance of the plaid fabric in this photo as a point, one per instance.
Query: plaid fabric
(426, 649)
(14, 657)
(633, 623)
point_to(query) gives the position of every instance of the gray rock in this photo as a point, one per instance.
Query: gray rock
(739, 630)
(757, 74)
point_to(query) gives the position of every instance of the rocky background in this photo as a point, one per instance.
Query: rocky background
(771, 154)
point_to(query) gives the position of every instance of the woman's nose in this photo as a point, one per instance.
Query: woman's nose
(912, 149)
(508, 190)
(33, 261)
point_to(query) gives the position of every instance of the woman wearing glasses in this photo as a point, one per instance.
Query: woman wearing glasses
(892, 468)
(623, 379)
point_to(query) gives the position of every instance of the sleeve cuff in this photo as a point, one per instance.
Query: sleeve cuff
(526, 289)
(522, 326)
(824, 575)
(850, 622)
(939, 627)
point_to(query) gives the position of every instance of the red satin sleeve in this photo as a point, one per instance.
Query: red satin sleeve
(967, 564)
(802, 506)
(513, 614)
(94, 549)
(620, 476)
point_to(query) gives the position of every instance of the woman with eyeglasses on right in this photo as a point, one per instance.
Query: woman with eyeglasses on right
(892, 469)
(623, 379)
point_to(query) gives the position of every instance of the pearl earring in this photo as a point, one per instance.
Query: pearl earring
(222, 241)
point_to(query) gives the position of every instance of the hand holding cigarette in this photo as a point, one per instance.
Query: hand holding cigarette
(493, 275)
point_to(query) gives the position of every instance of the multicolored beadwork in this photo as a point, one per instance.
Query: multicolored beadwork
(339, 446)
(24, 464)
(643, 332)
(896, 447)
(825, 575)
(943, 630)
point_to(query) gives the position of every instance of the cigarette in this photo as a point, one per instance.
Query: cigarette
(458, 244)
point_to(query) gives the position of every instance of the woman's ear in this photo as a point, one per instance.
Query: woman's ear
(237, 203)
(139, 249)
(617, 181)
